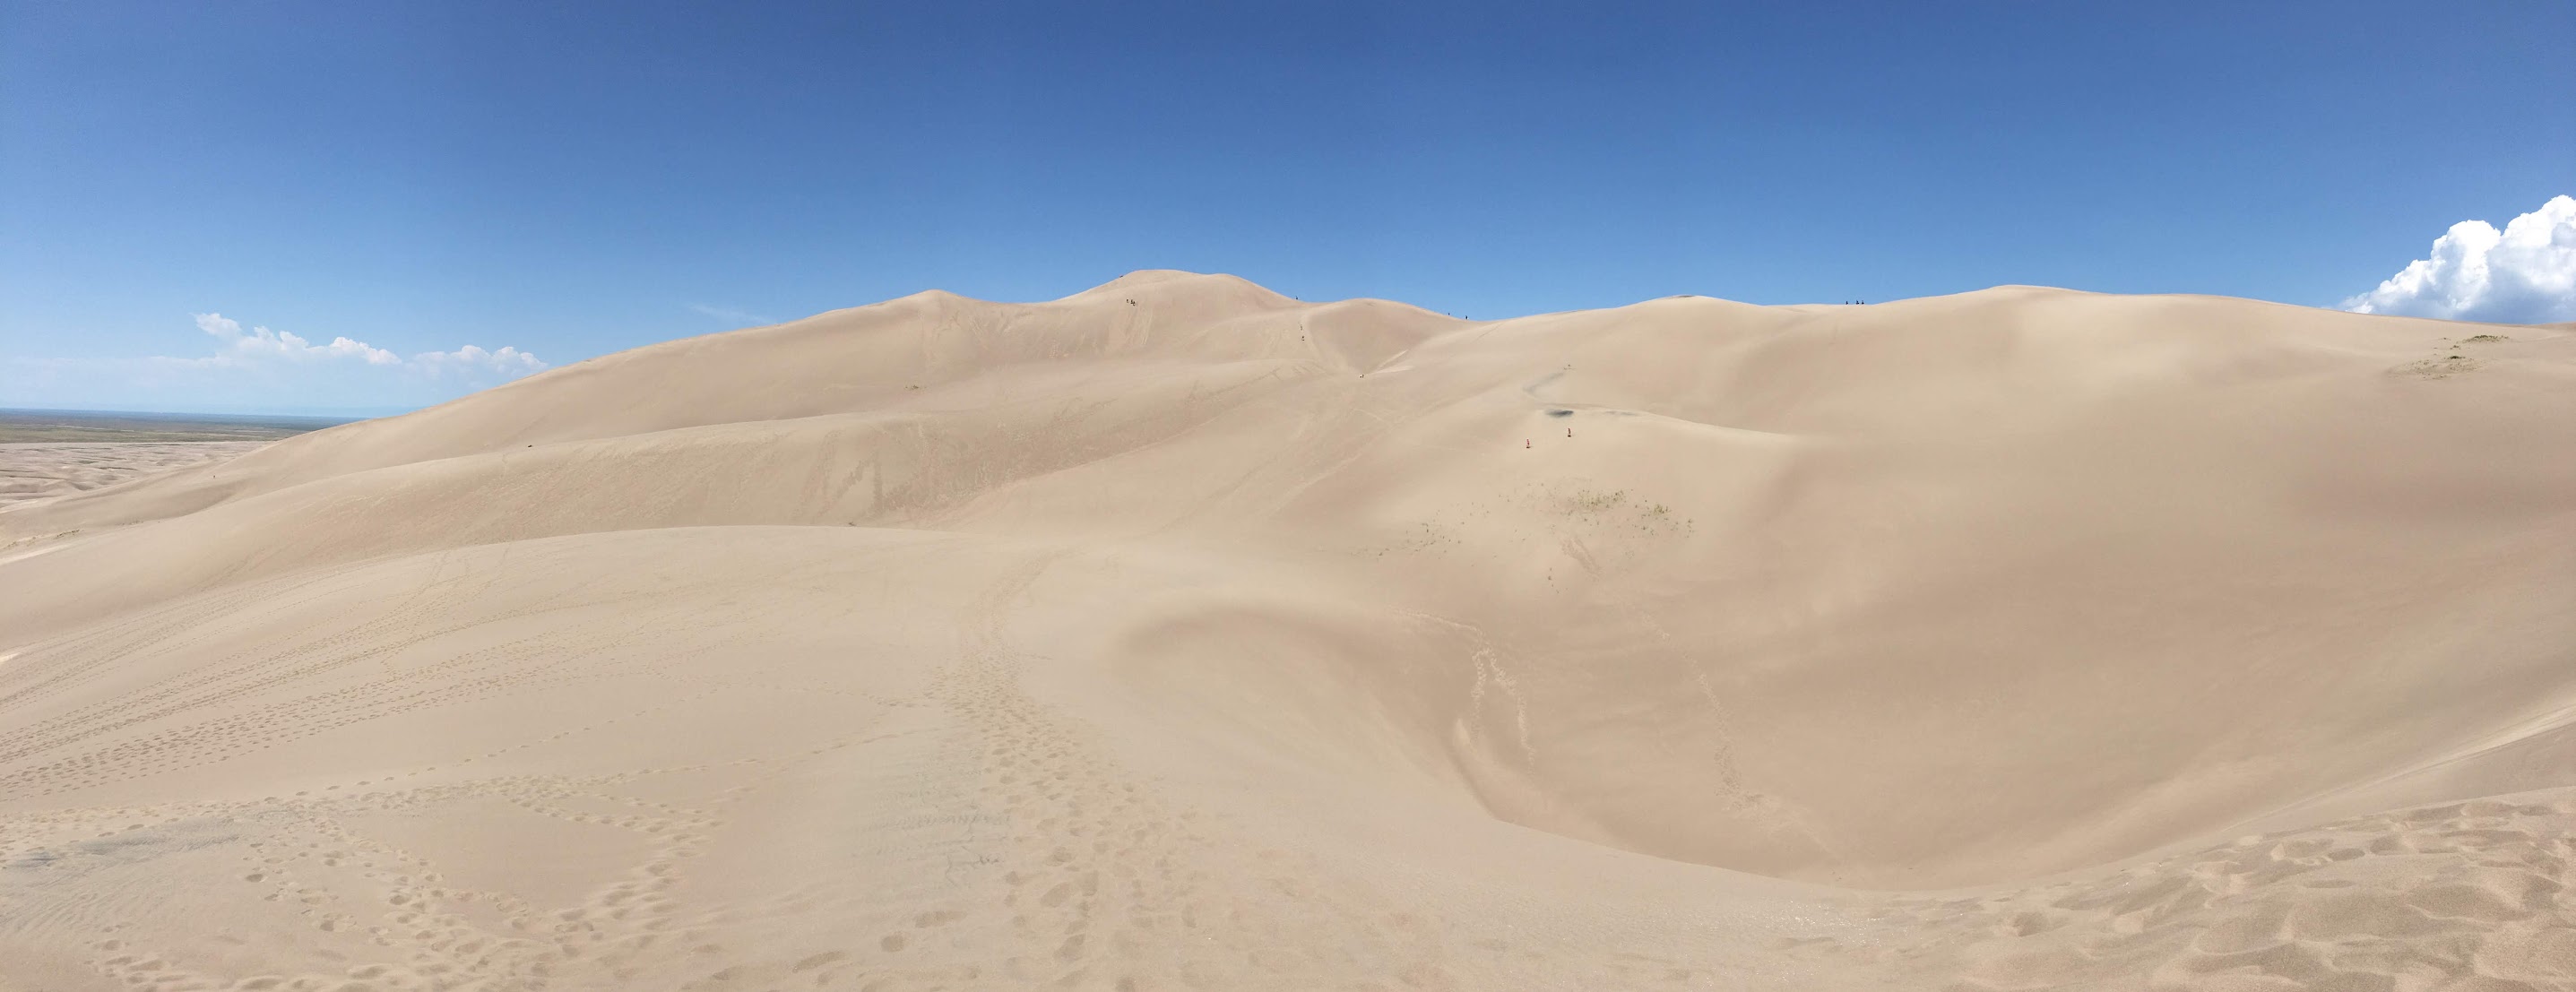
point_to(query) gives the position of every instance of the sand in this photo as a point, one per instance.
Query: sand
(1180, 635)
(31, 471)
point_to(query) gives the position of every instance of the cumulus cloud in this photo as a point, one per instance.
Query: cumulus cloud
(262, 346)
(508, 361)
(2524, 274)
(730, 315)
(260, 342)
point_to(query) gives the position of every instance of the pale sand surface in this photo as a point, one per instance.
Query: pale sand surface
(39, 470)
(1177, 634)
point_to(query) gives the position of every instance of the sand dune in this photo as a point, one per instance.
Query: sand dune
(1178, 634)
(42, 470)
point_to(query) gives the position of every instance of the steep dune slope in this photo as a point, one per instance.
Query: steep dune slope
(1179, 633)
(875, 359)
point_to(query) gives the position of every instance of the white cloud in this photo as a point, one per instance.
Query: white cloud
(260, 346)
(260, 342)
(259, 369)
(731, 316)
(2524, 274)
(508, 361)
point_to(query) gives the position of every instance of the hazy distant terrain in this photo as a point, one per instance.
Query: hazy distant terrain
(26, 426)
(47, 453)
(48, 469)
(1177, 634)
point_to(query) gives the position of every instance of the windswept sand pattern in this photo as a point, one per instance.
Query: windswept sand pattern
(2463, 895)
(1115, 888)
(204, 720)
(39, 470)
(310, 850)
(1181, 635)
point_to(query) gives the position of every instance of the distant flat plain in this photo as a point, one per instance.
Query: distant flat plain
(48, 453)
(116, 426)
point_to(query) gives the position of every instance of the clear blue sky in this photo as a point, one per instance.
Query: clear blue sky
(571, 180)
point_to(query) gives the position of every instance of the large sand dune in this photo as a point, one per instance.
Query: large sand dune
(1177, 634)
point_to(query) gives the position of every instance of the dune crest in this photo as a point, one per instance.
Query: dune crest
(1177, 633)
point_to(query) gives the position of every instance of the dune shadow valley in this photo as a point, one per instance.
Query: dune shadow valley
(1180, 635)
